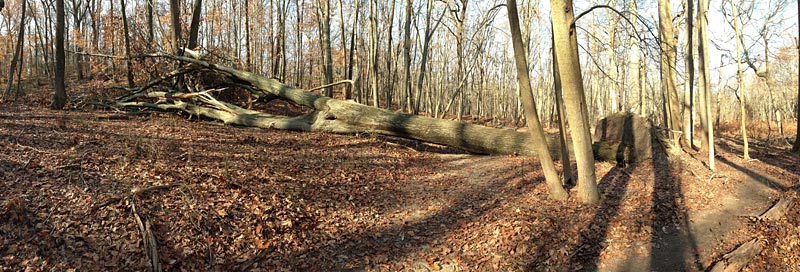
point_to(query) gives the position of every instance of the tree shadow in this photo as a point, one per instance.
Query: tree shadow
(396, 241)
(613, 187)
(758, 150)
(672, 244)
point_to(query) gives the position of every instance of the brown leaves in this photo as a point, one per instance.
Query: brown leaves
(260, 199)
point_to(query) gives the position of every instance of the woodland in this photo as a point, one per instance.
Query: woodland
(414, 135)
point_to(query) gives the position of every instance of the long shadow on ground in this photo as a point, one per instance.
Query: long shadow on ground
(673, 247)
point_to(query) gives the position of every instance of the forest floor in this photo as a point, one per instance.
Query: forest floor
(255, 199)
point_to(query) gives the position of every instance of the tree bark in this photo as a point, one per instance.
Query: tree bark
(796, 147)
(175, 15)
(348, 93)
(551, 176)
(194, 25)
(60, 96)
(702, 15)
(740, 82)
(569, 179)
(407, 57)
(346, 117)
(150, 28)
(566, 47)
(668, 77)
(128, 62)
(324, 20)
(17, 51)
(688, 101)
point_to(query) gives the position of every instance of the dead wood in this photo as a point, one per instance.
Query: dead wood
(132, 192)
(742, 255)
(148, 239)
(339, 116)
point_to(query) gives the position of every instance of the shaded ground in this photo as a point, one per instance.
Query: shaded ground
(250, 199)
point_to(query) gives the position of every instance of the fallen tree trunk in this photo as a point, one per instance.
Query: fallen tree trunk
(742, 255)
(339, 116)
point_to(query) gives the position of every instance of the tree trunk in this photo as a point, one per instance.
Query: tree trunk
(702, 15)
(668, 77)
(127, 44)
(324, 18)
(194, 25)
(551, 176)
(347, 117)
(407, 58)
(429, 31)
(348, 93)
(60, 97)
(796, 147)
(150, 29)
(566, 48)
(688, 101)
(740, 82)
(17, 51)
(373, 50)
(569, 179)
(175, 15)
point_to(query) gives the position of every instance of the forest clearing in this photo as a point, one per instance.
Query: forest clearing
(308, 135)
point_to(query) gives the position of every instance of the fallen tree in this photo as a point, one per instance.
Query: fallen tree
(330, 115)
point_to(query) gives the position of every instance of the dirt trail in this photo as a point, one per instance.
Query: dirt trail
(692, 249)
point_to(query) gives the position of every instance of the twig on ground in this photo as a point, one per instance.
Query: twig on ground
(148, 239)
(134, 191)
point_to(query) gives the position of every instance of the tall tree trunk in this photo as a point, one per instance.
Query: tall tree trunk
(194, 25)
(348, 93)
(569, 179)
(796, 147)
(633, 62)
(407, 57)
(150, 29)
(324, 18)
(429, 31)
(668, 77)
(566, 47)
(175, 15)
(740, 82)
(389, 89)
(17, 51)
(535, 127)
(128, 63)
(60, 97)
(299, 51)
(373, 47)
(688, 94)
(702, 15)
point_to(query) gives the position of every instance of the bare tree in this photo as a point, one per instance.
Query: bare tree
(566, 47)
(796, 147)
(668, 77)
(688, 101)
(324, 20)
(17, 51)
(128, 63)
(407, 56)
(740, 81)
(60, 97)
(194, 25)
(705, 89)
(175, 15)
(539, 141)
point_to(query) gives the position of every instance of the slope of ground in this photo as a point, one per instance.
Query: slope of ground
(250, 199)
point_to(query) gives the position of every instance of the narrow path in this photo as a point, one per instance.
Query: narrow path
(693, 248)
